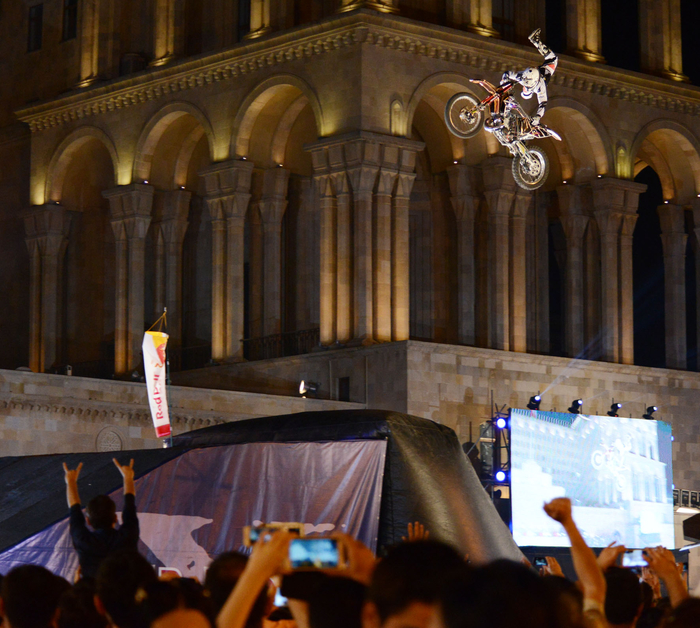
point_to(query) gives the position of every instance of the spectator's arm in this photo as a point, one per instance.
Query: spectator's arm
(128, 475)
(608, 555)
(265, 561)
(585, 565)
(71, 478)
(663, 564)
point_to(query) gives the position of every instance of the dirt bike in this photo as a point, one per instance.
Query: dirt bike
(499, 113)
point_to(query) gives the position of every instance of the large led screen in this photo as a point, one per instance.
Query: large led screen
(616, 471)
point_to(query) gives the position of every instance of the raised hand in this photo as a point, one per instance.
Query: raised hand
(662, 562)
(608, 556)
(71, 475)
(416, 532)
(559, 509)
(552, 568)
(361, 560)
(127, 472)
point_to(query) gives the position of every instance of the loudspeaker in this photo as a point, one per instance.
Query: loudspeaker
(691, 528)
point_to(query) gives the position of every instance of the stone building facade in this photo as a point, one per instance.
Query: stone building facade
(278, 175)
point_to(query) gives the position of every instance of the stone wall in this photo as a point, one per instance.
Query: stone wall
(456, 385)
(42, 414)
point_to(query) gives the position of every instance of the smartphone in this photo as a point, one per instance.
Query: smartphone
(634, 558)
(316, 553)
(251, 534)
(539, 561)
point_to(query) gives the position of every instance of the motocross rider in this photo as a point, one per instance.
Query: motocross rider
(534, 80)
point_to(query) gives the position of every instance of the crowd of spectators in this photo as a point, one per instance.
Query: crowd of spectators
(420, 583)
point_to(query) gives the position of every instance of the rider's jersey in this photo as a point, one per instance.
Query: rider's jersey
(540, 89)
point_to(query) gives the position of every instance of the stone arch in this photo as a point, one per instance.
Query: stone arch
(156, 128)
(287, 91)
(586, 149)
(424, 118)
(64, 153)
(672, 150)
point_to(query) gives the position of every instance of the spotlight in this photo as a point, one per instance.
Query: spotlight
(614, 408)
(500, 423)
(650, 411)
(534, 403)
(307, 388)
(145, 181)
(500, 476)
(576, 406)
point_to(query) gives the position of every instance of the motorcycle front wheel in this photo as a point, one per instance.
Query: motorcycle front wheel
(463, 116)
(530, 170)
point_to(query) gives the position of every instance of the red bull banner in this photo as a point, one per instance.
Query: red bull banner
(154, 343)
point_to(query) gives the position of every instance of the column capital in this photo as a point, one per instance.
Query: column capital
(521, 204)
(383, 6)
(226, 177)
(672, 218)
(176, 209)
(130, 207)
(45, 221)
(497, 174)
(613, 194)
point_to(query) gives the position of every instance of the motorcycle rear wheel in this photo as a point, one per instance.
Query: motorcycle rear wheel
(530, 171)
(469, 125)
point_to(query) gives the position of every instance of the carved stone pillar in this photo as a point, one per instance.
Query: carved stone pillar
(227, 187)
(499, 191)
(173, 226)
(538, 274)
(382, 244)
(363, 165)
(130, 208)
(465, 203)
(400, 281)
(476, 15)
(272, 206)
(573, 222)
(518, 271)
(98, 40)
(370, 175)
(259, 18)
(169, 31)
(615, 202)
(674, 241)
(660, 38)
(583, 31)
(46, 229)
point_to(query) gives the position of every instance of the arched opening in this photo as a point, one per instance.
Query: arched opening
(87, 318)
(174, 147)
(648, 275)
(281, 260)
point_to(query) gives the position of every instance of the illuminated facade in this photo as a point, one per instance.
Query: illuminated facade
(279, 176)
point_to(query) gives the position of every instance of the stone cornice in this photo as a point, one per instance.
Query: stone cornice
(361, 27)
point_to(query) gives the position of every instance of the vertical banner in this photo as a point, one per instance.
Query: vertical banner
(154, 343)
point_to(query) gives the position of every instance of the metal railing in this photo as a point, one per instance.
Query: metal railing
(281, 345)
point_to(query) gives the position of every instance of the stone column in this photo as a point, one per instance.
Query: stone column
(400, 280)
(538, 274)
(383, 6)
(173, 227)
(476, 15)
(674, 241)
(130, 208)
(573, 222)
(168, 32)
(660, 38)
(344, 254)
(499, 191)
(583, 32)
(89, 41)
(46, 229)
(227, 187)
(362, 160)
(465, 202)
(382, 244)
(272, 206)
(259, 18)
(529, 15)
(518, 271)
(329, 267)
(695, 207)
(615, 202)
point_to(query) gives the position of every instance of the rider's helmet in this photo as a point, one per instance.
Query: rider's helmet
(529, 80)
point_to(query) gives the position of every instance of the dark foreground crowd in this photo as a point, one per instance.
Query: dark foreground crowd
(420, 583)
